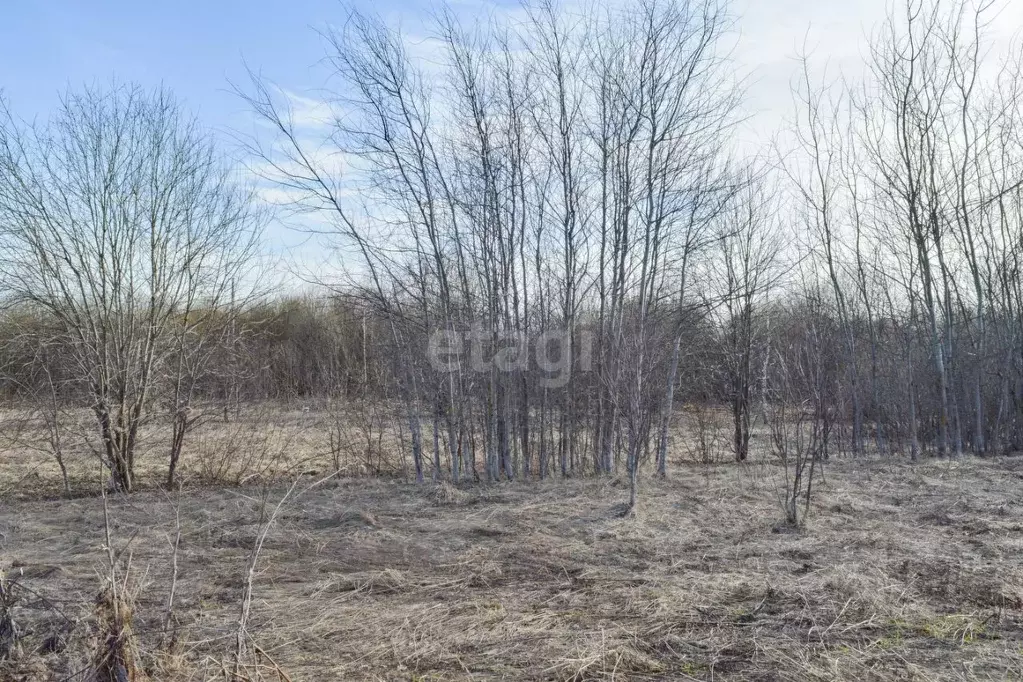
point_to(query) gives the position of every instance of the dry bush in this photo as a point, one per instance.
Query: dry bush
(55, 436)
(240, 452)
(356, 432)
(707, 442)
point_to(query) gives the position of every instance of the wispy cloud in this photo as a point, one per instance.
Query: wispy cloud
(309, 112)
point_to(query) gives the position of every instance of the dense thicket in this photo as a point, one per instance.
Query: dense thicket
(549, 245)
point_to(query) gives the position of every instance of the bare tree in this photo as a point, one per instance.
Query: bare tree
(121, 218)
(800, 408)
(750, 267)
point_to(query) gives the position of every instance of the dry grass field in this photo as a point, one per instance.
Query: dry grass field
(261, 442)
(901, 573)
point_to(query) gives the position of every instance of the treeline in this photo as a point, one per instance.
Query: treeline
(549, 244)
(293, 350)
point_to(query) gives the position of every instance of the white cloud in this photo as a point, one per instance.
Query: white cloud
(309, 112)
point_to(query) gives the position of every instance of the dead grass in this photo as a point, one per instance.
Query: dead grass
(263, 442)
(902, 573)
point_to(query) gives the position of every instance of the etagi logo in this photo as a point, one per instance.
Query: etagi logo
(479, 350)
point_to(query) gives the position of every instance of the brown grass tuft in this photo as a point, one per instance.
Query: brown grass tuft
(116, 652)
(443, 493)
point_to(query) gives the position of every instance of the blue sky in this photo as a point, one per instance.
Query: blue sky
(193, 47)
(196, 47)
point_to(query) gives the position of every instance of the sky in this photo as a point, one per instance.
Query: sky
(193, 47)
(197, 48)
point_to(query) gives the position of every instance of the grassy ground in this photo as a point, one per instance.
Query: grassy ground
(263, 441)
(901, 573)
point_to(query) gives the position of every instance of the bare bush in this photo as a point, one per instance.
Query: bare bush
(246, 450)
(706, 442)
